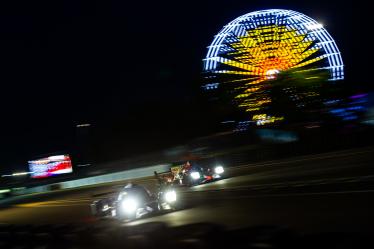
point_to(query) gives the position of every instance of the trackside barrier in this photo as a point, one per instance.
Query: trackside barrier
(124, 175)
(118, 176)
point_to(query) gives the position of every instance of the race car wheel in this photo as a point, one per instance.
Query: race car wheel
(100, 208)
(175, 206)
(159, 207)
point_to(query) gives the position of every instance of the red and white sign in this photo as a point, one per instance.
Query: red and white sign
(50, 166)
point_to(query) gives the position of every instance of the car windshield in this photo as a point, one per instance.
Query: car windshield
(139, 191)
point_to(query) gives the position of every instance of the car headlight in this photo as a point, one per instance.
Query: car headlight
(195, 175)
(170, 196)
(129, 205)
(219, 170)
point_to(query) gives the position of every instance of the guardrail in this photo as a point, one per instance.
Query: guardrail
(112, 177)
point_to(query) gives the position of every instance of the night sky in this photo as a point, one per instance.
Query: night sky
(130, 68)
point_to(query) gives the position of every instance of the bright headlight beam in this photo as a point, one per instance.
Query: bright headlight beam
(195, 175)
(219, 170)
(170, 196)
(129, 205)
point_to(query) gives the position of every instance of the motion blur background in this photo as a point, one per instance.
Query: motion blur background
(132, 70)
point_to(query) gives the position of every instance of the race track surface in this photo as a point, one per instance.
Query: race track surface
(326, 192)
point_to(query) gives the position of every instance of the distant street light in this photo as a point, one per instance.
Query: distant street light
(83, 165)
(83, 146)
(17, 174)
(21, 173)
(83, 125)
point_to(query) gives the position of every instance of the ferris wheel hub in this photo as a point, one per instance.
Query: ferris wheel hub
(272, 74)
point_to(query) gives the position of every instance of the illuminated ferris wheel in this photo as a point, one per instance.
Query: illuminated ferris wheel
(254, 48)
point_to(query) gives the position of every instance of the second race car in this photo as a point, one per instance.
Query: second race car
(191, 173)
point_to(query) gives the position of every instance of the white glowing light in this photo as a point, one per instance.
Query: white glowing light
(3, 191)
(314, 26)
(83, 125)
(20, 173)
(271, 74)
(56, 158)
(170, 196)
(219, 170)
(195, 175)
(129, 205)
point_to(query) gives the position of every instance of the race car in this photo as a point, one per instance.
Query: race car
(190, 173)
(135, 201)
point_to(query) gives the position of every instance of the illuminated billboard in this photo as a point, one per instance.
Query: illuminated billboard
(50, 166)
